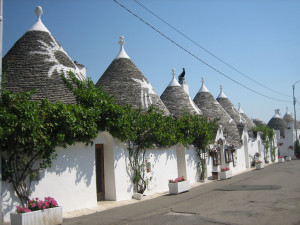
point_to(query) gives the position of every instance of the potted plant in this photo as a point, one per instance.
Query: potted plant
(225, 173)
(288, 158)
(38, 212)
(297, 149)
(259, 165)
(178, 185)
(281, 159)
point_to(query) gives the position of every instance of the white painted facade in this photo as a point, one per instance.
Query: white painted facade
(286, 144)
(72, 178)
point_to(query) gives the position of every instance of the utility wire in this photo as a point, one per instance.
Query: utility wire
(204, 49)
(187, 51)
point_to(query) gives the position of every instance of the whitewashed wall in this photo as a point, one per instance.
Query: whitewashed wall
(123, 186)
(70, 180)
(73, 172)
(287, 144)
(163, 168)
(191, 165)
(240, 163)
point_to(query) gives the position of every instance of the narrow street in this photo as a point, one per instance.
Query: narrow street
(268, 196)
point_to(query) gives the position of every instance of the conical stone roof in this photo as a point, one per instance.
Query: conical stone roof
(288, 118)
(128, 85)
(177, 100)
(231, 110)
(36, 61)
(249, 123)
(211, 108)
(277, 123)
(258, 122)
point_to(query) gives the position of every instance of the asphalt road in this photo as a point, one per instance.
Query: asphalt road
(270, 196)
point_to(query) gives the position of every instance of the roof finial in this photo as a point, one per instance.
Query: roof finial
(221, 95)
(287, 110)
(203, 88)
(240, 110)
(173, 72)
(122, 53)
(39, 12)
(173, 82)
(38, 25)
(122, 42)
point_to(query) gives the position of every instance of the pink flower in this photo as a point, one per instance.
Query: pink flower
(22, 209)
(27, 210)
(179, 179)
(225, 169)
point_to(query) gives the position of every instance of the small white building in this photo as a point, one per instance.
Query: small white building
(285, 132)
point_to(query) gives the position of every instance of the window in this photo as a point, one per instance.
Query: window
(216, 156)
(228, 155)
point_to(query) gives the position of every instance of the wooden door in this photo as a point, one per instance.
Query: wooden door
(99, 158)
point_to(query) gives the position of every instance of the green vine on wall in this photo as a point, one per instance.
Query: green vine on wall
(200, 131)
(267, 136)
(31, 130)
(297, 148)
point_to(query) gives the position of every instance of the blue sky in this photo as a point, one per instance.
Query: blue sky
(260, 38)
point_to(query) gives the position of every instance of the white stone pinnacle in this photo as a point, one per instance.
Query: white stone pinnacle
(240, 110)
(277, 113)
(122, 53)
(203, 88)
(39, 26)
(174, 82)
(173, 72)
(122, 42)
(39, 12)
(222, 95)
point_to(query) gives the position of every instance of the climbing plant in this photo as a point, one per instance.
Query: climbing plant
(31, 130)
(297, 148)
(200, 131)
(267, 135)
(142, 131)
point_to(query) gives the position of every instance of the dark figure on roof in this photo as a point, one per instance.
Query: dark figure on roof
(181, 76)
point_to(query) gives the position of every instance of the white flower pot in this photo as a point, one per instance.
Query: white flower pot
(288, 158)
(51, 216)
(225, 175)
(137, 196)
(281, 160)
(176, 188)
(259, 166)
